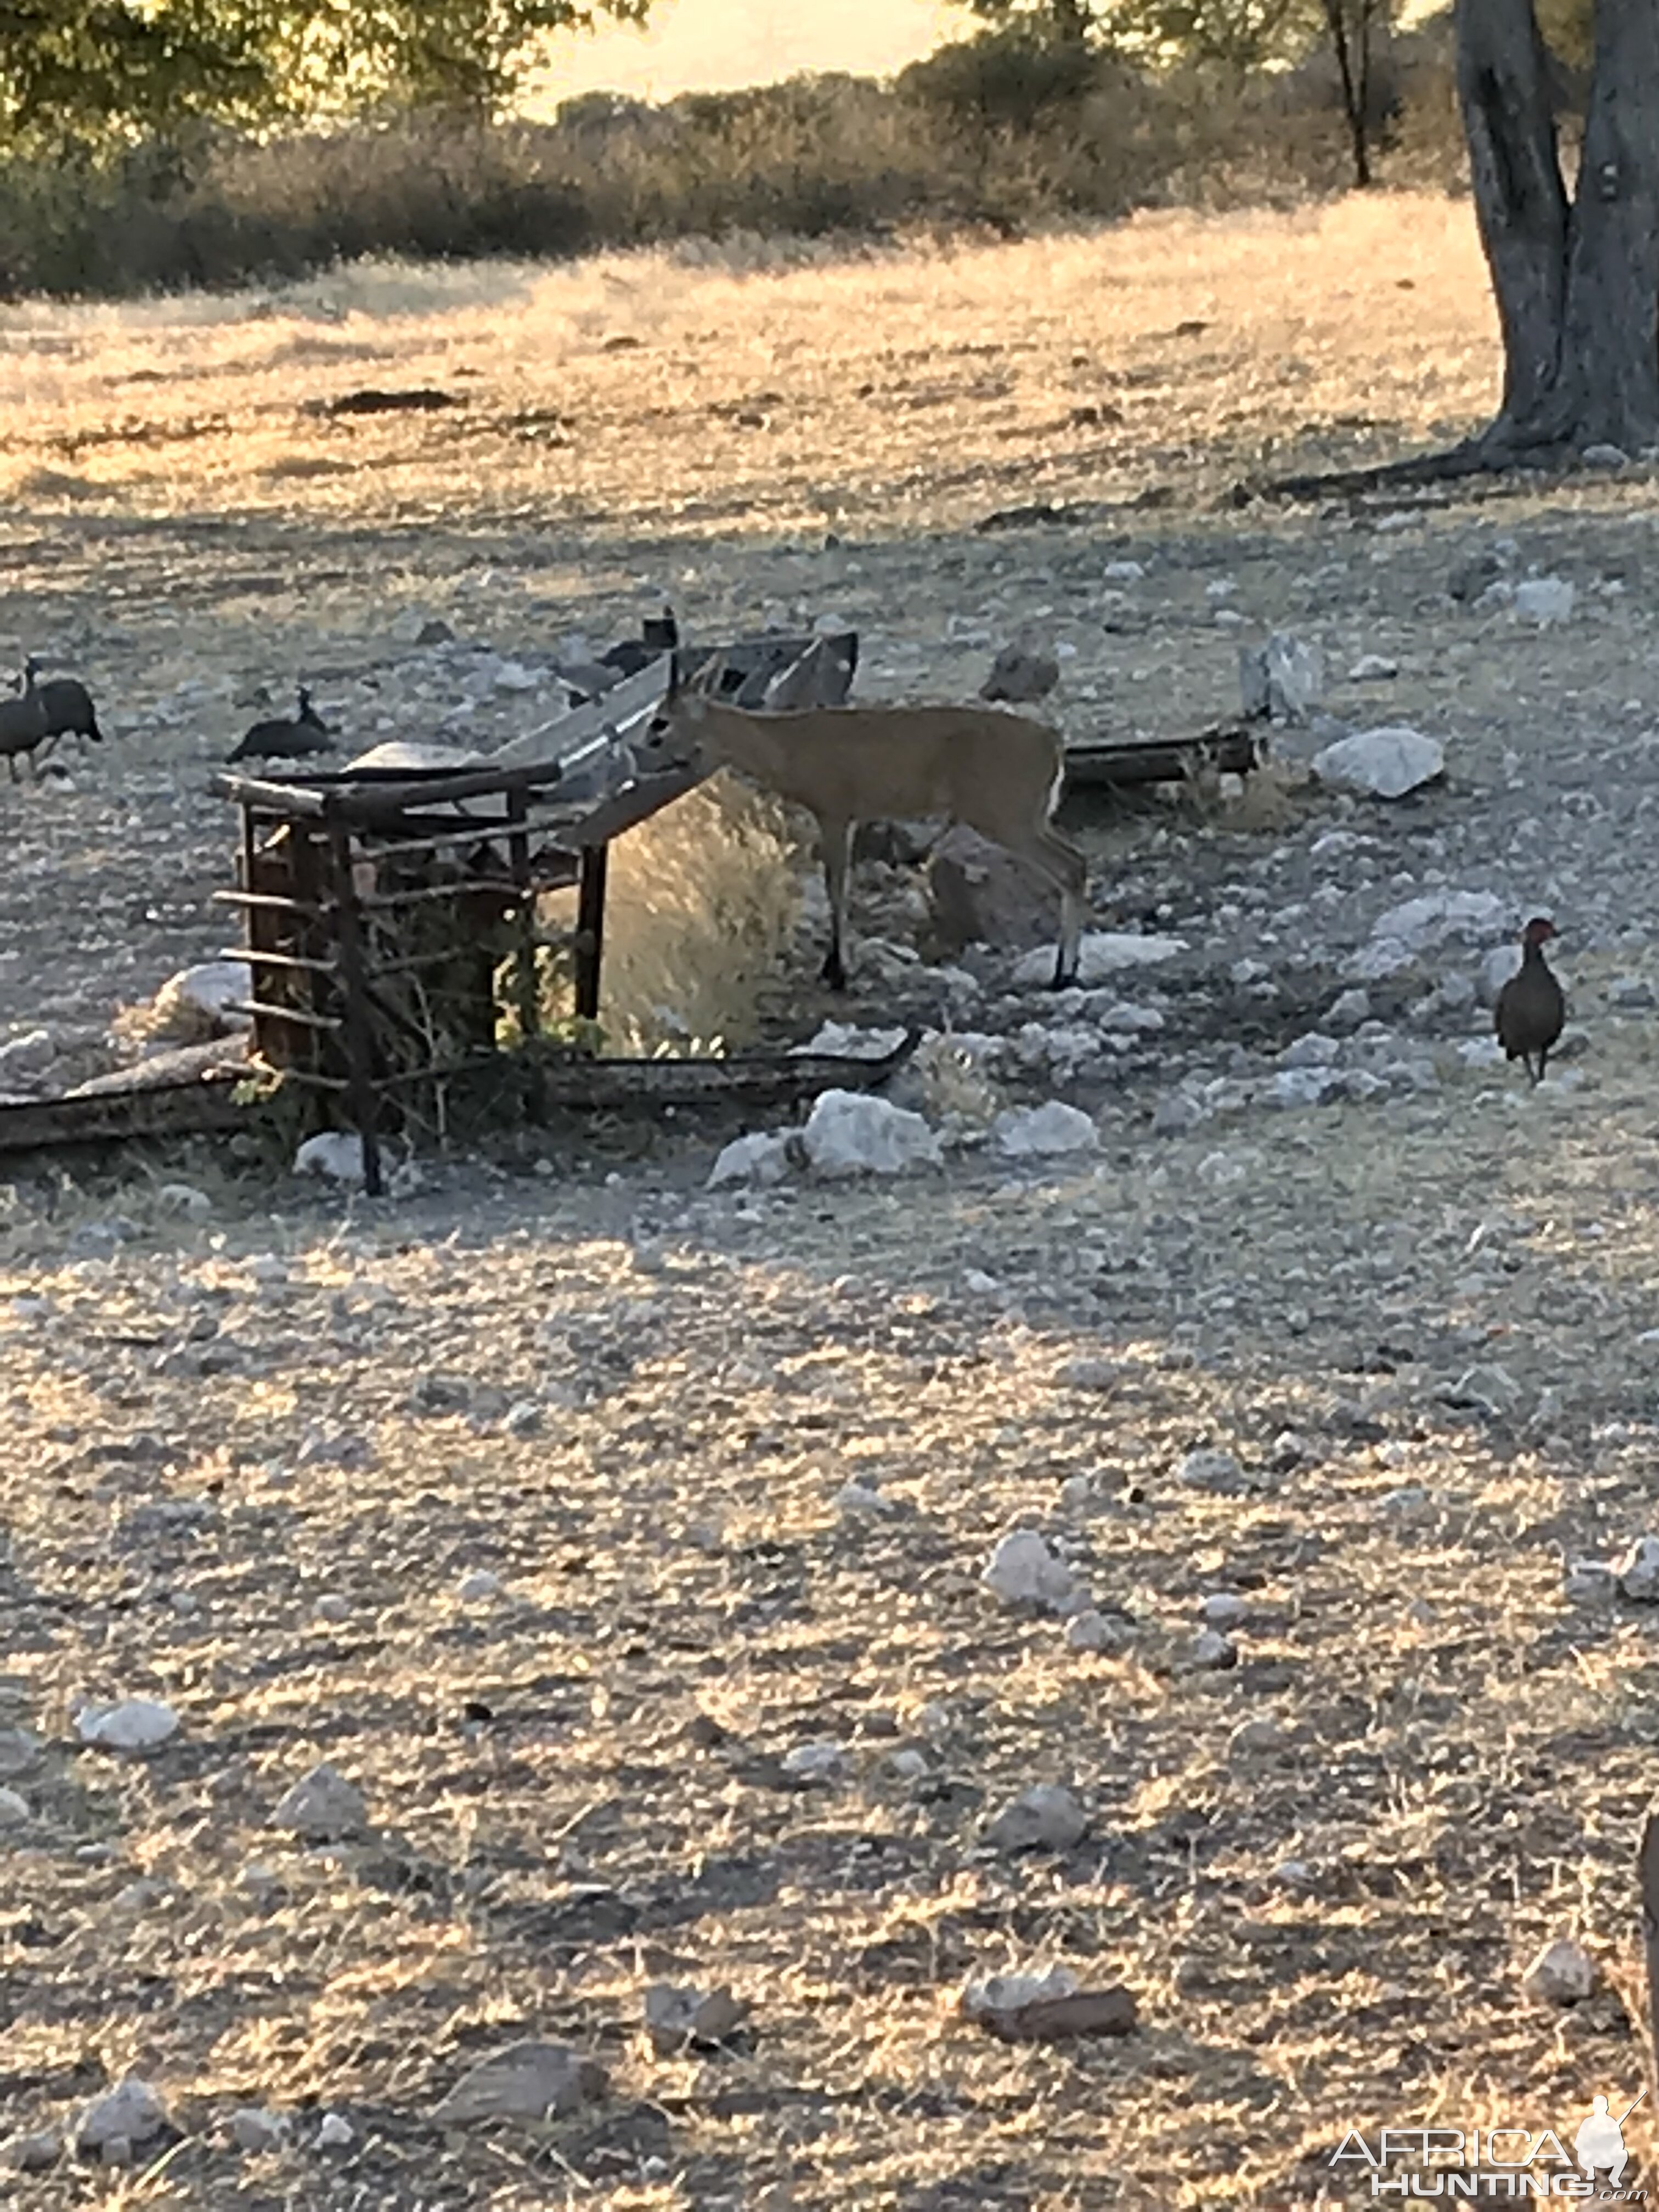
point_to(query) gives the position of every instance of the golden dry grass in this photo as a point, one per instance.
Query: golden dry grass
(647, 390)
(1461, 1756)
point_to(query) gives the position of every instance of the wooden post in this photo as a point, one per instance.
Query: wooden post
(590, 930)
(1648, 1880)
(518, 849)
(354, 1005)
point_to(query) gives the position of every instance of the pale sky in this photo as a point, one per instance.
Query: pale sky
(708, 46)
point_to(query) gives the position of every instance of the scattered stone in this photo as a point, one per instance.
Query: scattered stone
(134, 1724)
(861, 1498)
(1026, 1132)
(1213, 1651)
(1405, 932)
(1544, 600)
(1094, 1631)
(1207, 1468)
(1174, 1114)
(1470, 578)
(1256, 1739)
(1088, 1374)
(1101, 954)
(809, 1764)
(676, 2020)
(1488, 1389)
(1043, 1817)
(1281, 679)
(253, 2130)
(907, 1765)
(34, 2152)
(850, 1133)
(331, 1606)
(322, 1805)
(1030, 2009)
(1022, 1571)
(335, 2133)
(978, 894)
(1373, 668)
(529, 2082)
(132, 2112)
(1497, 964)
(1590, 1581)
(1562, 1973)
(1629, 994)
(14, 1809)
(1019, 675)
(184, 1199)
(1312, 1050)
(1381, 764)
(1347, 1011)
(477, 1587)
(1638, 1571)
(1293, 1874)
(761, 1158)
(336, 1154)
(523, 1418)
(1605, 456)
(199, 1003)
(1222, 1609)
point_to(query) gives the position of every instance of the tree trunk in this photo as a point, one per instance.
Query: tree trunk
(1356, 81)
(1576, 283)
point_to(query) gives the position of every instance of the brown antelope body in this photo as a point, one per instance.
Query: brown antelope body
(996, 772)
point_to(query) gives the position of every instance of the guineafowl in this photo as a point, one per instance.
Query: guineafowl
(67, 705)
(23, 725)
(286, 737)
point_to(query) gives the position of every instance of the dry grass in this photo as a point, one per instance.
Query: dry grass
(1461, 1757)
(889, 385)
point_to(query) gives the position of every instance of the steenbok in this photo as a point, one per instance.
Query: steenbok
(996, 772)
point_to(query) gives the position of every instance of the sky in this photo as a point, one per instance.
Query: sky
(708, 46)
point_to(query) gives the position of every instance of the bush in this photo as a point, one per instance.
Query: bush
(998, 130)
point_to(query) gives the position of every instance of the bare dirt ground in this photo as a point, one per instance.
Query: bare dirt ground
(252, 1462)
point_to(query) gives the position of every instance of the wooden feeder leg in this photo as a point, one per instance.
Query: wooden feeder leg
(359, 1043)
(525, 977)
(590, 930)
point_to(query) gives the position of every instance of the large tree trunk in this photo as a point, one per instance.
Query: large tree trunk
(1576, 284)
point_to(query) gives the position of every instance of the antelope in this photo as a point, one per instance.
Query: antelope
(996, 772)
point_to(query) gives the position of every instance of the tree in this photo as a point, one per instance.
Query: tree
(1575, 275)
(1351, 26)
(81, 69)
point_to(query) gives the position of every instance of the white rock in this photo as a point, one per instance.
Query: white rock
(335, 1153)
(37, 2152)
(331, 1606)
(676, 2017)
(1562, 1973)
(849, 1132)
(907, 1765)
(209, 989)
(1214, 1650)
(14, 1809)
(134, 1724)
(1222, 1609)
(1208, 1469)
(480, 1585)
(1043, 1817)
(847, 1041)
(1122, 572)
(1497, 964)
(1383, 763)
(1545, 599)
(762, 1158)
(1417, 926)
(815, 1762)
(1293, 1874)
(183, 1198)
(1098, 1632)
(29, 1054)
(1022, 1571)
(861, 1499)
(1283, 677)
(1023, 1131)
(1373, 668)
(1347, 1010)
(529, 2081)
(1638, 1571)
(1488, 1386)
(322, 1804)
(1009, 1992)
(1102, 953)
(1312, 1050)
(132, 2112)
(334, 2132)
(523, 1418)
(253, 2130)
(979, 1284)
(1482, 1052)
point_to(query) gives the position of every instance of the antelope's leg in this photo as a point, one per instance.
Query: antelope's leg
(837, 839)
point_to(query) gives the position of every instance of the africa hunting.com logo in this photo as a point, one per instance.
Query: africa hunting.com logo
(1492, 2166)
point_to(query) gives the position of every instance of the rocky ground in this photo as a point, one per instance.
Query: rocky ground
(620, 1544)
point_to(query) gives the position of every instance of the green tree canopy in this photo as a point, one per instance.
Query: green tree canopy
(78, 69)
